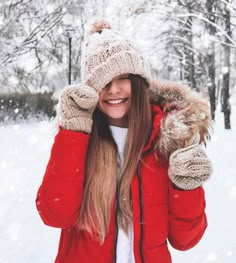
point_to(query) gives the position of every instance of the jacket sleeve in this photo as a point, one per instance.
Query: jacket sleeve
(60, 194)
(187, 218)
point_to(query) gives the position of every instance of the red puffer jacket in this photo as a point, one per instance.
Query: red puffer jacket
(160, 212)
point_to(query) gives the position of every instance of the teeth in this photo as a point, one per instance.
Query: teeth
(115, 101)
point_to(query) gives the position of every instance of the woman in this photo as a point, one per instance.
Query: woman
(127, 165)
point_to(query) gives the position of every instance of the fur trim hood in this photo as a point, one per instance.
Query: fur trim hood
(186, 117)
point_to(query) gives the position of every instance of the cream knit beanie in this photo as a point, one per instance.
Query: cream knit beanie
(107, 54)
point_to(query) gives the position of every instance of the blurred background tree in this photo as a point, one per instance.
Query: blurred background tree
(192, 42)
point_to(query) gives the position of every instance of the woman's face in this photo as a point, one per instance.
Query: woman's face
(115, 100)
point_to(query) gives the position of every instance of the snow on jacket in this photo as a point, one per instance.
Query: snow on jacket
(161, 214)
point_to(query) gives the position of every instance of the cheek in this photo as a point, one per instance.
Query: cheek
(100, 100)
(99, 106)
(128, 89)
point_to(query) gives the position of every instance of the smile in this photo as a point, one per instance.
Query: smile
(117, 101)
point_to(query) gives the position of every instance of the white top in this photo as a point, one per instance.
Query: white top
(124, 249)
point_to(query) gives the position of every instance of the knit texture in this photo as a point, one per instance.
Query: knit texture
(189, 167)
(76, 107)
(108, 54)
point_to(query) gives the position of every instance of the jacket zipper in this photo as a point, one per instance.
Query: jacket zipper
(116, 221)
(141, 212)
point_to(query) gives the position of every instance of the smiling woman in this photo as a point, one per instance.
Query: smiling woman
(122, 160)
(115, 100)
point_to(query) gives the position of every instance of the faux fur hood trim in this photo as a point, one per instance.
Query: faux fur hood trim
(186, 116)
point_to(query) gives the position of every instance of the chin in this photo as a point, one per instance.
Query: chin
(117, 117)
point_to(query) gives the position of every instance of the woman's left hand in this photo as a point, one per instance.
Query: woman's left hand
(189, 167)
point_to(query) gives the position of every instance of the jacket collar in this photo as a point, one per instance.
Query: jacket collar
(186, 113)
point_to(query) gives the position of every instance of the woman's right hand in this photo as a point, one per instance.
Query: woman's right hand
(76, 106)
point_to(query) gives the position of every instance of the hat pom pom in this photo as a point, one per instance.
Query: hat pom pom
(98, 25)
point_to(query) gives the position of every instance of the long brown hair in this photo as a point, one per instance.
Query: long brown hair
(101, 181)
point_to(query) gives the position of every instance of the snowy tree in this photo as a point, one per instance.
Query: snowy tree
(36, 33)
(191, 42)
(226, 107)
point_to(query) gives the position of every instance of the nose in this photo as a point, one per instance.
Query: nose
(113, 87)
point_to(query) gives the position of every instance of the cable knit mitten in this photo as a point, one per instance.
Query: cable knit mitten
(76, 107)
(189, 167)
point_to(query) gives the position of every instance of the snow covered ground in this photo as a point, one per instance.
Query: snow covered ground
(24, 238)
